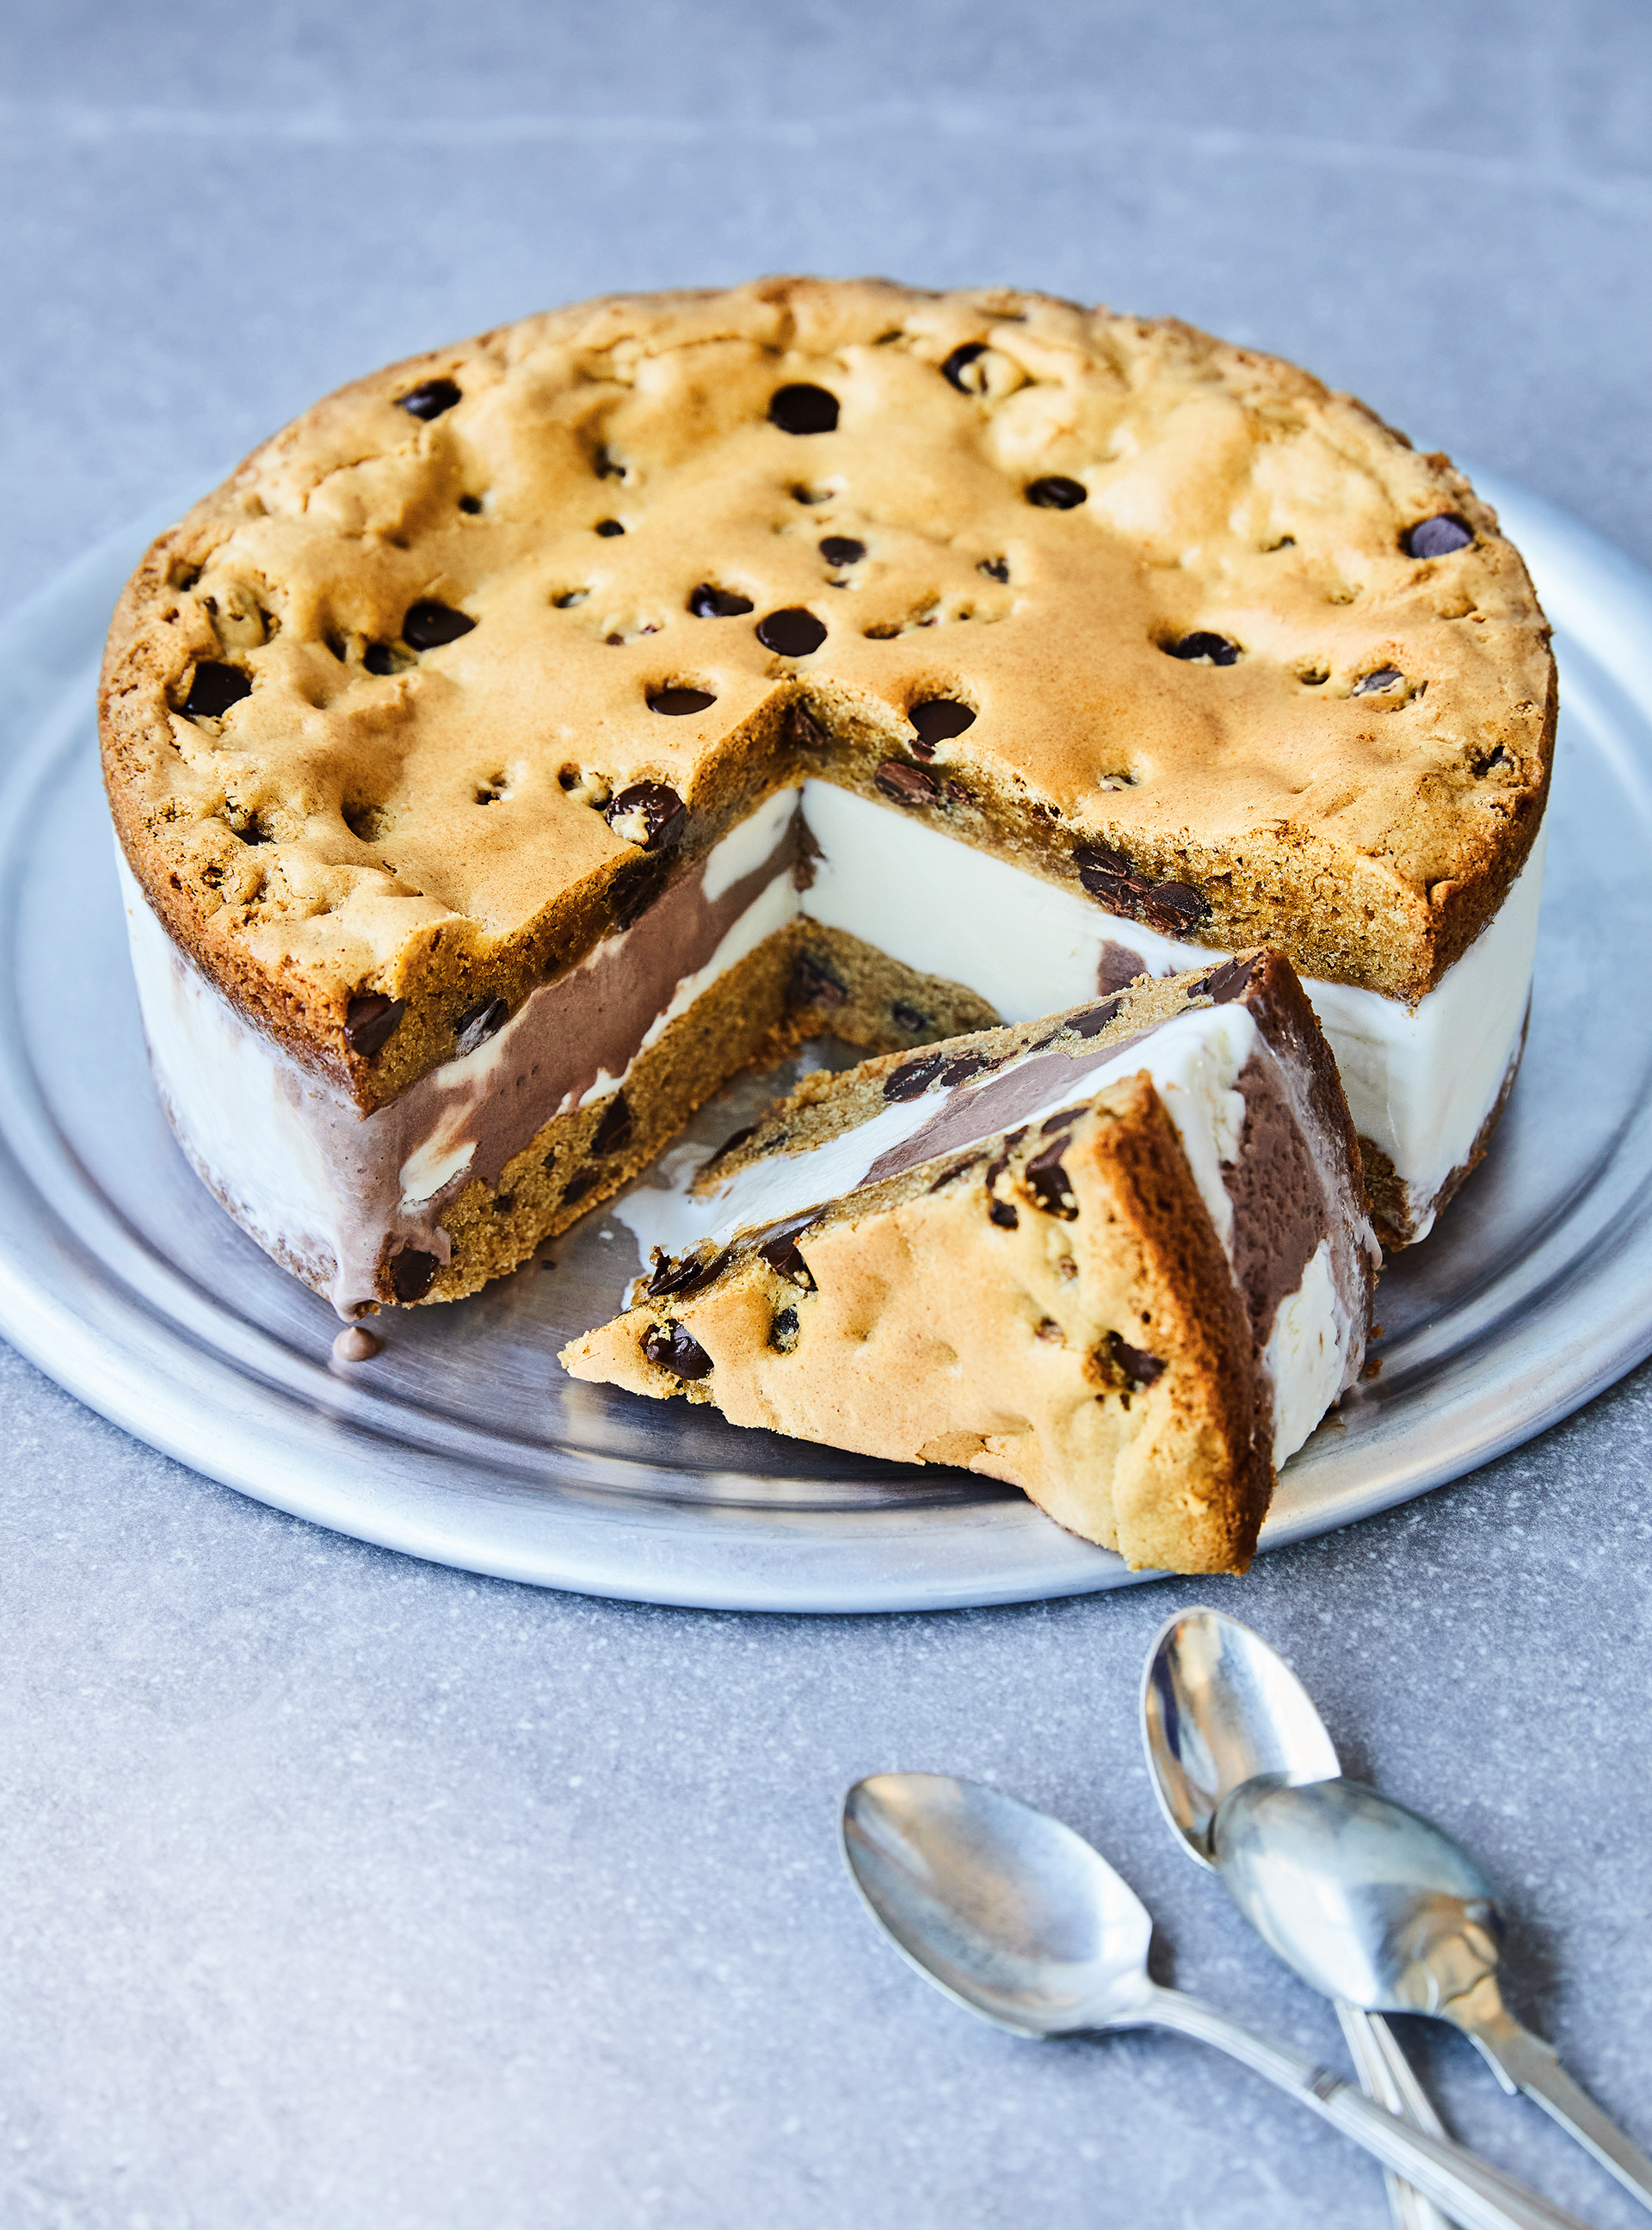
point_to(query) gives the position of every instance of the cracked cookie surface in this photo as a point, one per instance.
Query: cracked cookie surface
(454, 674)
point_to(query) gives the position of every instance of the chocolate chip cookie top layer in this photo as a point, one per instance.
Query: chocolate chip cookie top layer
(369, 710)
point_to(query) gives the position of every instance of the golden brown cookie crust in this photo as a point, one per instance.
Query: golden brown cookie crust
(433, 834)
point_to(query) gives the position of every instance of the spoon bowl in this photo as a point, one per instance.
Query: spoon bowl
(1364, 1899)
(1003, 1908)
(1218, 1707)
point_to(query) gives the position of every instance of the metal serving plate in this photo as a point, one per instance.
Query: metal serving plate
(464, 1442)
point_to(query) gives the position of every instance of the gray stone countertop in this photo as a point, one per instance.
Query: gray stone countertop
(339, 1892)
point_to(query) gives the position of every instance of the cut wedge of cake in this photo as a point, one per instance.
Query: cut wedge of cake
(534, 734)
(1120, 1258)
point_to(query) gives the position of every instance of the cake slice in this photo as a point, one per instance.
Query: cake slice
(1120, 1258)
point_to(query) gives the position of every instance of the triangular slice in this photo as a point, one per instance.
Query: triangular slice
(1120, 1258)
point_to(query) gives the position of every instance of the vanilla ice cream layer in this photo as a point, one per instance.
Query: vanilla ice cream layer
(1193, 1059)
(324, 1188)
(1420, 1081)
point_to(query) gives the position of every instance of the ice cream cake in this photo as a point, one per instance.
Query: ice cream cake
(534, 733)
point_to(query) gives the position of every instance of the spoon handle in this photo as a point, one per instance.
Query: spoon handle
(1524, 2062)
(1470, 2190)
(1385, 2075)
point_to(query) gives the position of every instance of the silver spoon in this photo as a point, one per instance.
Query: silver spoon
(1369, 1903)
(1018, 1918)
(1218, 1706)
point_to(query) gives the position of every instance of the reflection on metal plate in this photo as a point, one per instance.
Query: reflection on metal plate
(464, 1442)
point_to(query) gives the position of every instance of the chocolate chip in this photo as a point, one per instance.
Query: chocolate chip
(578, 1186)
(996, 569)
(605, 464)
(1099, 859)
(802, 409)
(734, 1138)
(907, 785)
(1369, 685)
(936, 719)
(1168, 907)
(1008, 1219)
(780, 1250)
(953, 368)
(664, 1277)
(804, 730)
(966, 1065)
(371, 1021)
(1230, 981)
(706, 602)
(429, 398)
(1143, 1369)
(470, 504)
(958, 1170)
(614, 1131)
(1203, 647)
(1439, 536)
(636, 884)
(1056, 493)
(663, 812)
(813, 984)
(783, 1331)
(792, 633)
(688, 1275)
(842, 550)
(677, 702)
(479, 1023)
(412, 1273)
(1048, 1181)
(908, 1018)
(676, 1351)
(379, 658)
(1095, 1020)
(1112, 890)
(214, 689)
(913, 1079)
(429, 625)
(609, 528)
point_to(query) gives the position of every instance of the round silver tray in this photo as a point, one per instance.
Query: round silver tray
(464, 1442)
